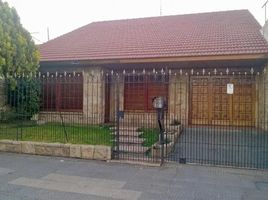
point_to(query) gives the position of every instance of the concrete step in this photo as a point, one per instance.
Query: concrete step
(133, 148)
(126, 139)
(124, 128)
(128, 133)
(130, 140)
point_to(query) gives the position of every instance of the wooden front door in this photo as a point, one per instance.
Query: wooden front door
(211, 105)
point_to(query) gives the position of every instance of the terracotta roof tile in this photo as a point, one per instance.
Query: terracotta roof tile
(205, 34)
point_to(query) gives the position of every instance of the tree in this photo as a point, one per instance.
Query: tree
(18, 53)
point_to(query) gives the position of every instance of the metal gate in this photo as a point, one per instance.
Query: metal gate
(136, 128)
(215, 117)
(209, 116)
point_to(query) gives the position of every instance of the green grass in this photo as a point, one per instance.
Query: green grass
(150, 135)
(54, 132)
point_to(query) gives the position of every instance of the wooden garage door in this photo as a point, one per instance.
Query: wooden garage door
(211, 105)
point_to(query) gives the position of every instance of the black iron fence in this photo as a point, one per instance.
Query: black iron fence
(209, 116)
(54, 107)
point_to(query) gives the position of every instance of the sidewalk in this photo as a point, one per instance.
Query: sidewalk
(26, 177)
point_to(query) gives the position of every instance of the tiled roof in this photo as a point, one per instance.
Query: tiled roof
(205, 34)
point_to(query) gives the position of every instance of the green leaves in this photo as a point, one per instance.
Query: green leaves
(24, 96)
(18, 53)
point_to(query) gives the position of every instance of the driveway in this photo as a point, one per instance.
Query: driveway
(26, 177)
(239, 147)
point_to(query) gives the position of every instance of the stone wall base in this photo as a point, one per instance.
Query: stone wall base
(92, 152)
(69, 117)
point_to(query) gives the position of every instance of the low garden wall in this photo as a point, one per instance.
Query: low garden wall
(172, 136)
(95, 152)
(69, 117)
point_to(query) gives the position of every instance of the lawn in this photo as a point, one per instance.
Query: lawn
(55, 132)
(150, 135)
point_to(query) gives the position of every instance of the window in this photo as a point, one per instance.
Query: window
(62, 93)
(140, 90)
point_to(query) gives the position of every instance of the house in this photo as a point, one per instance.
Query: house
(189, 59)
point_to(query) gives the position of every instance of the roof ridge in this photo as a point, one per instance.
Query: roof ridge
(173, 15)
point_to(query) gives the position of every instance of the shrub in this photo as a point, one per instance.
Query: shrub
(24, 97)
(7, 116)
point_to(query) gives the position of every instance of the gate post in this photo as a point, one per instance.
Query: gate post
(117, 115)
(159, 104)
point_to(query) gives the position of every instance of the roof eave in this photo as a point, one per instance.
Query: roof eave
(162, 59)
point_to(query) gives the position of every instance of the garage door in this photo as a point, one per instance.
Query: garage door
(220, 100)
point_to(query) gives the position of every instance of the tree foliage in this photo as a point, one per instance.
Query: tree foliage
(18, 53)
(24, 99)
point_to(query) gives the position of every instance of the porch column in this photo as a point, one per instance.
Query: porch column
(178, 98)
(93, 95)
(113, 95)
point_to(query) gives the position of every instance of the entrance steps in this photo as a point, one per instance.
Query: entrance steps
(126, 139)
(129, 141)
(125, 133)
(125, 128)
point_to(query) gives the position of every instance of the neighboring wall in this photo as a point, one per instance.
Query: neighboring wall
(262, 99)
(265, 30)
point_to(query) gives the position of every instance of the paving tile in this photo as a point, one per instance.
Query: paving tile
(4, 171)
(49, 178)
(76, 188)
